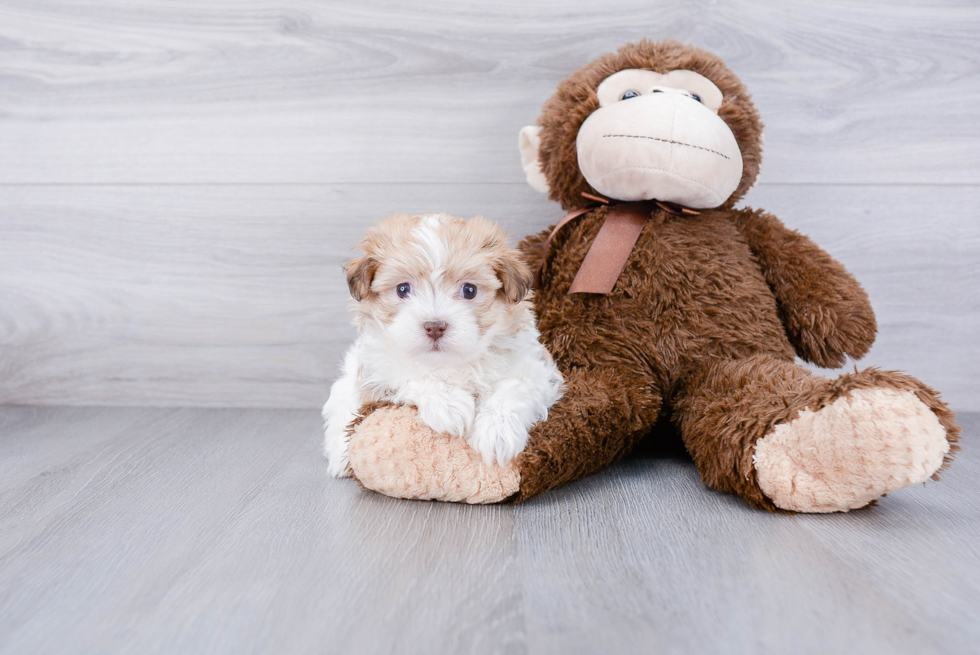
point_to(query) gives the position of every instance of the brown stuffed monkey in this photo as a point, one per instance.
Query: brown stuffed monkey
(663, 303)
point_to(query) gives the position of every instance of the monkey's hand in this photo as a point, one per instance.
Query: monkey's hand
(826, 313)
(395, 453)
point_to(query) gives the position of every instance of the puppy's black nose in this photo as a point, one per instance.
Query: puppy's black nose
(435, 329)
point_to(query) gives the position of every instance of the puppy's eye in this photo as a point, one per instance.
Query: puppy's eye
(696, 97)
(629, 94)
(404, 290)
(468, 291)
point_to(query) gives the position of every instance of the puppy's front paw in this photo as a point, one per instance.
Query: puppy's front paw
(337, 467)
(450, 412)
(498, 436)
(335, 448)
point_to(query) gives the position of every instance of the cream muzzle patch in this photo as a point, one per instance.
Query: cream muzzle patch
(659, 136)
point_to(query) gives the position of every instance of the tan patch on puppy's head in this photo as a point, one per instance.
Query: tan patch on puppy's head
(482, 242)
(377, 245)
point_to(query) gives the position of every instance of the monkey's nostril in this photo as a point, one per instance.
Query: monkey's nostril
(435, 329)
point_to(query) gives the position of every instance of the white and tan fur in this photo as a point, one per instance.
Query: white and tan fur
(486, 377)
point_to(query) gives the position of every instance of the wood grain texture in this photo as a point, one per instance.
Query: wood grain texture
(233, 295)
(212, 532)
(179, 181)
(218, 531)
(254, 91)
(646, 556)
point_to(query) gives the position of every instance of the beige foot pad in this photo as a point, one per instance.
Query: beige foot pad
(394, 453)
(842, 456)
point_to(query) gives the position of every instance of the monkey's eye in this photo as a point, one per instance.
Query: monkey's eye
(696, 97)
(468, 291)
(404, 290)
(629, 94)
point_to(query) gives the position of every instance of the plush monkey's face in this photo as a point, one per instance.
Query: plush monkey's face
(659, 136)
(641, 134)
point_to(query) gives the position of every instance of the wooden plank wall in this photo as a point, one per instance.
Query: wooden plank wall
(179, 181)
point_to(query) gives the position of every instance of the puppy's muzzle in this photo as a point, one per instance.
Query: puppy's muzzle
(435, 329)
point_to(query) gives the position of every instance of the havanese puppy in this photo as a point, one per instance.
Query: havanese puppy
(444, 324)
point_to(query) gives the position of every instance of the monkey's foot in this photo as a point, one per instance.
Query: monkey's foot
(394, 453)
(846, 454)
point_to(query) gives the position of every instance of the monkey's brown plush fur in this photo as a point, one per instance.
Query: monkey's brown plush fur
(702, 328)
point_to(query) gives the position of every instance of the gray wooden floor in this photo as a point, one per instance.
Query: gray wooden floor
(217, 531)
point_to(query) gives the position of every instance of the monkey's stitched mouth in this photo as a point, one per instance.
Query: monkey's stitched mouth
(653, 138)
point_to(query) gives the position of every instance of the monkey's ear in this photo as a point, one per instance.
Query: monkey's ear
(360, 274)
(515, 276)
(529, 142)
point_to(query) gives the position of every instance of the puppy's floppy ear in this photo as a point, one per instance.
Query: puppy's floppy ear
(515, 276)
(360, 273)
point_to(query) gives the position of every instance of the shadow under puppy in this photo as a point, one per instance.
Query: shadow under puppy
(444, 324)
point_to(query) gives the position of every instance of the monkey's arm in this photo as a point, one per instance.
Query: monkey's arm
(603, 413)
(826, 313)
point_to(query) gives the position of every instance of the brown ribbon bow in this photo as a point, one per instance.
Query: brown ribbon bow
(611, 249)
